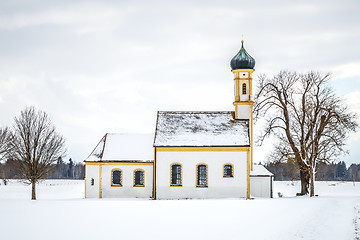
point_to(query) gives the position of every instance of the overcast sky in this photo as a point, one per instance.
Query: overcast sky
(108, 66)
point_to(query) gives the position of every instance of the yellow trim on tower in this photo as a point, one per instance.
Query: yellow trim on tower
(121, 177)
(251, 143)
(100, 195)
(244, 103)
(250, 71)
(202, 149)
(248, 176)
(207, 175)
(250, 88)
(232, 170)
(139, 169)
(119, 163)
(181, 168)
(237, 91)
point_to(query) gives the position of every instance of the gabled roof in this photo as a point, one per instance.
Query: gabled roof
(195, 129)
(124, 147)
(260, 170)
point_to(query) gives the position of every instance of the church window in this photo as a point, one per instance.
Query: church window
(176, 174)
(228, 170)
(202, 175)
(92, 182)
(139, 178)
(244, 88)
(116, 178)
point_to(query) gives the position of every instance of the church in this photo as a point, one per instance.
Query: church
(191, 155)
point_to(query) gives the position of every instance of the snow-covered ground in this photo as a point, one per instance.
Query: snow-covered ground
(61, 213)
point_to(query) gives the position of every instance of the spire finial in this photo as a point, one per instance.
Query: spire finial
(242, 43)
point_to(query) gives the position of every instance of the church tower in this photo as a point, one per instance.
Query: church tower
(242, 66)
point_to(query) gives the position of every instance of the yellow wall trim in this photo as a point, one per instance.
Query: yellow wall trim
(154, 175)
(119, 163)
(85, 182)
(248, 176)
(202, 149)
(100, 195)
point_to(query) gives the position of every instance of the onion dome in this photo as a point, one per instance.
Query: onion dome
(242, 60)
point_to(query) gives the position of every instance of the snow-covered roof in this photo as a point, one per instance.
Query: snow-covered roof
(124, 147)
(177, 129)
(260, 170)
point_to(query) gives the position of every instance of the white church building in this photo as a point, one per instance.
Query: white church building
(191, 155)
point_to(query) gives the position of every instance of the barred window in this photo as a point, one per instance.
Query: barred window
(139, 178)
(116, 177)
(244, 88)
(202, 175)
(176, 175)
(228, 170)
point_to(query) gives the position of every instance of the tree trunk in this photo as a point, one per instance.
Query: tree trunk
(312, 183)
(33, 193)
(304, 177)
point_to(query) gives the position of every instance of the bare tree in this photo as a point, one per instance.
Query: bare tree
(310, 122)
(5, 139)
(36, 146)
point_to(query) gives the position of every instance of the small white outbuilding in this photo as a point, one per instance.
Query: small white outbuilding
(261, 182)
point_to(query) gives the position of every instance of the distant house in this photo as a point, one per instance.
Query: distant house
(194, 155)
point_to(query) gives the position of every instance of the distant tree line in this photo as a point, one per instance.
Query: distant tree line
(60, 170)
(287, 171)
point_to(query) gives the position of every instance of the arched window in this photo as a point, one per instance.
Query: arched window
(201, 175)
(139, 178)
(92, 182)
(176, 174)
(244, 88)
(228, 170)
(116, 177)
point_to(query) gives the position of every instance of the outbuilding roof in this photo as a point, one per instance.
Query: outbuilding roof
(195, 129)
(124, 147)
(260, 170)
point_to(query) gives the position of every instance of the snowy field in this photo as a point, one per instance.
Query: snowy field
(61, 213)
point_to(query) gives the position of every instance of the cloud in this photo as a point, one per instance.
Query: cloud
(108, 66)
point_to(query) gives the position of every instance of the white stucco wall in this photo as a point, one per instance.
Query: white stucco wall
(244, 111)
(260, 186)
(91, 171)
(218, 187)
(127, 190)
